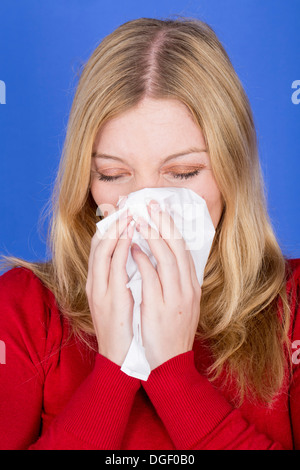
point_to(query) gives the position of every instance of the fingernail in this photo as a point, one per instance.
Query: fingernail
(122, 201)
(154, 206)
(125, 216)
(135, 248)
(141, 223)
(130, 228)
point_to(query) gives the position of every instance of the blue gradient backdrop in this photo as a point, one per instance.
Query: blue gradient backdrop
(44, 43)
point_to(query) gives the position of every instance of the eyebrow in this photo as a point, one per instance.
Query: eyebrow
(170, 157)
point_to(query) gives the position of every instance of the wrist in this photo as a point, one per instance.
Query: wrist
(157, 360)
(187, 403)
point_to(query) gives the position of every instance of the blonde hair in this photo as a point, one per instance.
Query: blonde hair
(245, 274)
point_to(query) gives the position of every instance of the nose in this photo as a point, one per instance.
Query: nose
(147, 182)
(142, 182)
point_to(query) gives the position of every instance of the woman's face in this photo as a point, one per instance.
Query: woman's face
(155, 144)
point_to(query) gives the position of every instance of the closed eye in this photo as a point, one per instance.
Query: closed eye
(102, 177)
(175, 175)
(186, 175)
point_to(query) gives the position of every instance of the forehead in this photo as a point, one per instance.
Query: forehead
(153, 128)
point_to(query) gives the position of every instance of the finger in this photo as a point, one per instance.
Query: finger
(151, 285)
(101, 261)
(167, 267)
(194, 277)
(173, 238)
(122, 201)
(114, 231)
(118, 274)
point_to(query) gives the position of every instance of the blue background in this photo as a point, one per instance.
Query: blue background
(42, 47)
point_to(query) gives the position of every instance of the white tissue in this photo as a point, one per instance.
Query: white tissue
(191, 217)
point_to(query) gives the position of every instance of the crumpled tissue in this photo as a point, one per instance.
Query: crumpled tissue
(192, 219)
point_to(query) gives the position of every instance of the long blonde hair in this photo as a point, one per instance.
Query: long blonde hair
(245, 274)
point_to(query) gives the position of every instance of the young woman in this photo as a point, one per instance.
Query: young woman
(158, 104)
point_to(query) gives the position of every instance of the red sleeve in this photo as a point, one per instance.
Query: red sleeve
(97, 413)
(96, 417)
(197, 416)
(295, 339)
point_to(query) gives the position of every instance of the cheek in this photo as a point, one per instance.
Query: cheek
(215, 208)
(105, 196)
(210, 192)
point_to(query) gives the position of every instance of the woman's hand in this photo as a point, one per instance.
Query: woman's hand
(171, 294)
(110, 301)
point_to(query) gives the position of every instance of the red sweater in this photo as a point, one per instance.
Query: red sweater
(55, 393)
